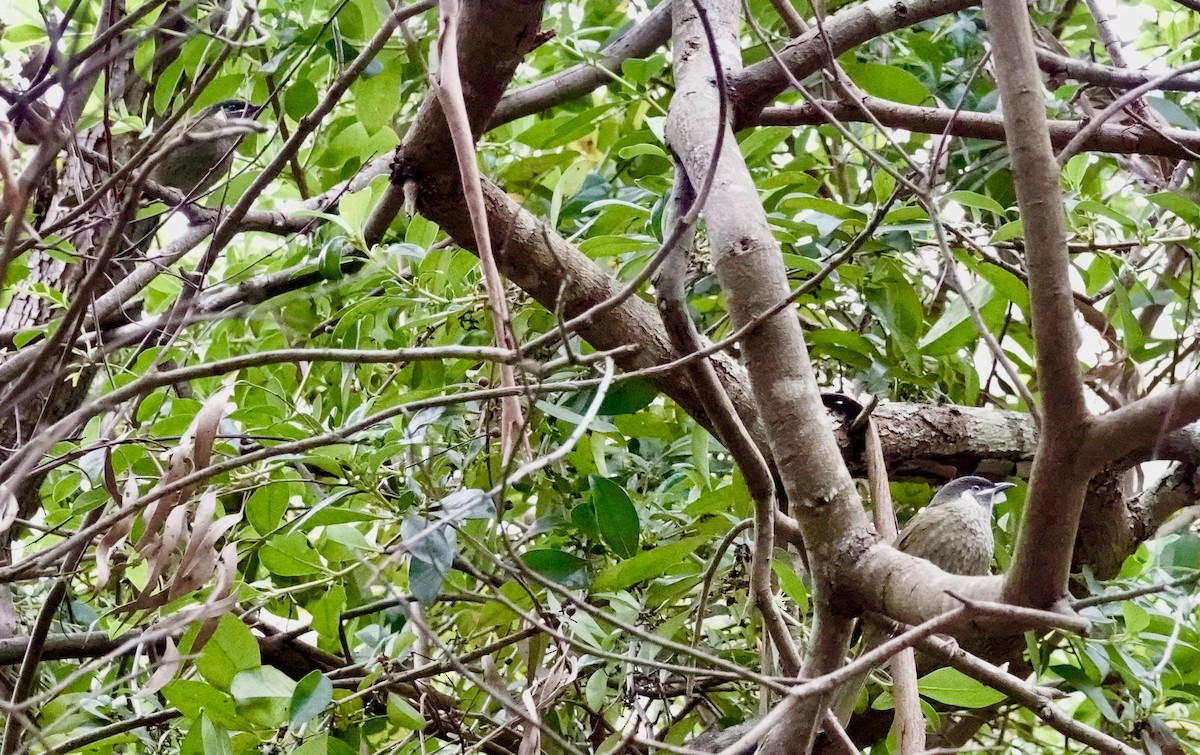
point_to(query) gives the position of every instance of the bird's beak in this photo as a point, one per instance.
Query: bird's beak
(998, 492)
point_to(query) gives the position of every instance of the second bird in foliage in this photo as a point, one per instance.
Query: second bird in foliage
(199, 151)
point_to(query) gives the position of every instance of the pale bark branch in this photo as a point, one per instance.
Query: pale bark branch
(448, 87)
(909, 719)
(1056, 64)
(758, 84)
(748, 262)
(1122, 139)
(1042, 562)
(638, 41)
(1145, 427)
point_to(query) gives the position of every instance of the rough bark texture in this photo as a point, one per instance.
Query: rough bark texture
(1041, 564)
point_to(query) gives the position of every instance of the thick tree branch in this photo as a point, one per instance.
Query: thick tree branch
(748, 263)
(1042, 563)
(1056, 64)
(756, 85)
(1122, 139)
(1144, 428)
(671, 295)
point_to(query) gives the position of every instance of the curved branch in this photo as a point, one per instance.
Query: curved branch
(1024, 693)
(758, 84)
(1056, 64)
(1042, 562)
(1142, 429)
(1121, 139)
(638, 41)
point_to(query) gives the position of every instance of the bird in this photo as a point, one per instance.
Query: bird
(199, 151)
(954, 532)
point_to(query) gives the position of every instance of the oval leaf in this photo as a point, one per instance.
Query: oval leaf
(952, 687)
(313, 693)
(616, 516)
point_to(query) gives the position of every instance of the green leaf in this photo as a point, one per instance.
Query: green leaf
(648, 565)
(355, 208)
(1183, 552)
(195, 699)
(327, 610)
(432, 546)
(1034, 651)
(954, 329)
(583, 516)
(596, 689)
(1175, 115)
(559, 566)
(566, 415)
(231, 649)
(432, 542)
(404, 715)
(637, 150)
(567, 185)
(312, 695)
(1106, 211)
(895, 302)
(757, 143)
(471, 503)
(733, 500)
(262, 682)
(978, 201)
(266, 506)
(315, 745)
(790, 583)
(1011, 230)
(300, 99)
(628, 397)
(264, 695)
(329, 258)
(598, 247)
(1082, 683)
(1124, 316)
(342, 543)
(952, 687)
(701, 452)
(616, 516)
(425, 580)
(845, 346)
(640, 70)
(1008, 286)
(290, 555)
(216, 739)
(888, 82)
(1136, 617)
(1186, 209)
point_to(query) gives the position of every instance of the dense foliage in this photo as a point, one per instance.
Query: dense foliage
(354, 566)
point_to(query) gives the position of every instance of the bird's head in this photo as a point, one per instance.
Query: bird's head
(984, 492)
(233, 109)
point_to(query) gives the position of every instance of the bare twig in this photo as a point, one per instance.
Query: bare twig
(450, 93)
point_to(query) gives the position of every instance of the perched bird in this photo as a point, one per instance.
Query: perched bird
(955, 533)
(955, 530)
(199, 151)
